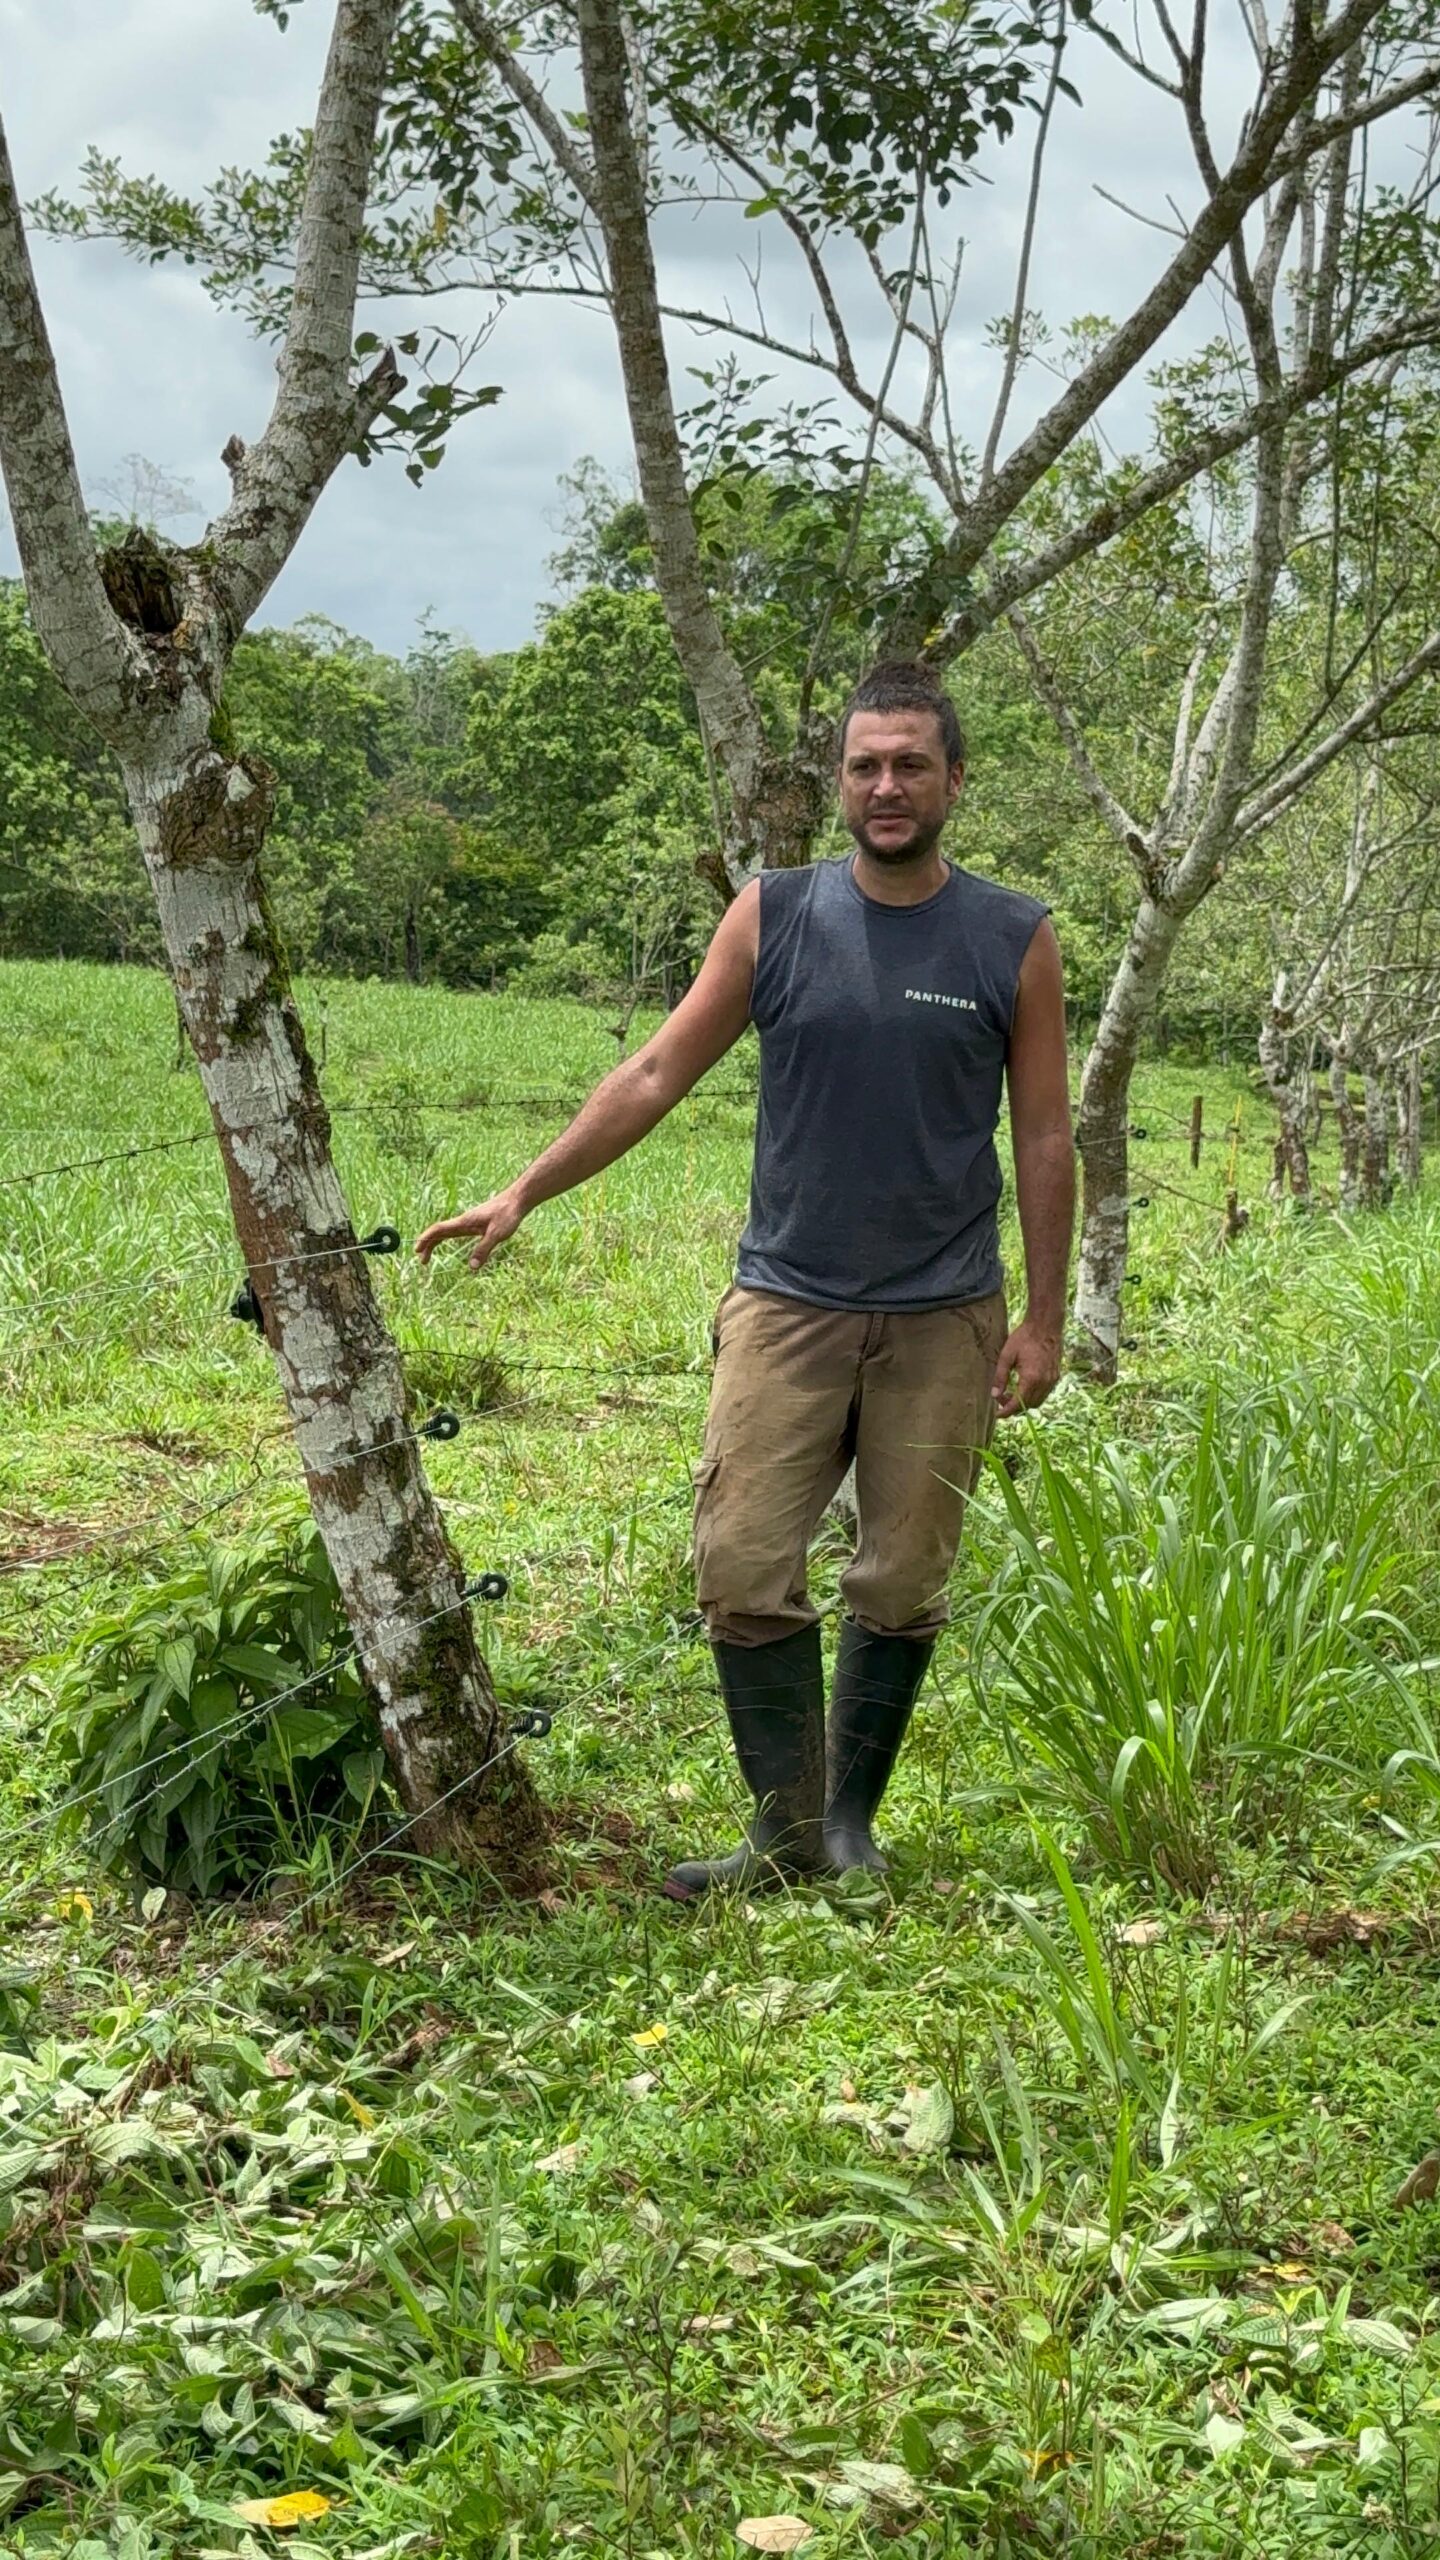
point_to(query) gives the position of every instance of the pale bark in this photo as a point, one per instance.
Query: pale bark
(1410, 1106)
(1375, 1143)
(776, 801)
(141, 642)
(1287, 1083)
(201, 825)
(98, 663)
(318, 416)
(1349, 1131)
(1102, 1137)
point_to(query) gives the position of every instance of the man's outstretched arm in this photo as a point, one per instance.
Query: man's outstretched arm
(627, 1105)
(1037, 1071)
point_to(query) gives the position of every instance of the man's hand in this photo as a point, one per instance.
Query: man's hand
(1033, 1359)
(490, 1224)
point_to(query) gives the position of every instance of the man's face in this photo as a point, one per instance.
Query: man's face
(896, 790)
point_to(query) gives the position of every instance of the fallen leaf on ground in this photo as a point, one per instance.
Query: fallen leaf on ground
(849, 2092)
(1421, 2184)
(773, 2533)
(1289, 2271)
(558, 2164)
(362, 2114)
(293, 2508)
(1334, 2237)
(1141, 1933)
(925, 2119)
(889, 2483)
(708, 2324)
(640, 2085)
(650, 2035)
(550, 1902)
(76, 1905)
(278, 2067)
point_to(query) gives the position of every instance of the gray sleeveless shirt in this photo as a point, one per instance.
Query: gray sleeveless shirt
(883, 1036)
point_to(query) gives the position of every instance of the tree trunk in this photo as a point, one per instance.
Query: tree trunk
(1348, 1130)
(1409, 1104)
(1375, 1144)
(1102, 1136)
(412, 948)
(1287, 1090)
(201, 819)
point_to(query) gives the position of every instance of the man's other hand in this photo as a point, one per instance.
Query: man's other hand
(490, 1224)
(1032, 1359)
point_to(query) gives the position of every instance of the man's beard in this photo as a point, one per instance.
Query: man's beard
(914, 848)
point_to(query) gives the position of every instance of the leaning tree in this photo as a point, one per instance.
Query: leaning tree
(140, 636)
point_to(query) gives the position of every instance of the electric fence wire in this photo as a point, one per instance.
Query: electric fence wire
(722, 1100)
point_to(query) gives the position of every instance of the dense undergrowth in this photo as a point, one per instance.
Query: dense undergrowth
(1045, 2202)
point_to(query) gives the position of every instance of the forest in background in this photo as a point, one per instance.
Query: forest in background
(533, 820)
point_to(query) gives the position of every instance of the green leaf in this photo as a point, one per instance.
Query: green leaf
(144, 2281)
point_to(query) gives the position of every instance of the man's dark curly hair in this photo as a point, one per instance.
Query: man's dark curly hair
(902, 684)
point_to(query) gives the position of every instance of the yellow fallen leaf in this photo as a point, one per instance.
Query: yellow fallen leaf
(281, 2513)
(1290, 2271)
(773, 2533)
(650, 2035)
(76, 1904)
(361, 2113)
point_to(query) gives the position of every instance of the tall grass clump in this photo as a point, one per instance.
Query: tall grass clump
(1178, 1642)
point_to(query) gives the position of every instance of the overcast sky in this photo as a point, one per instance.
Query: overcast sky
(184, 88)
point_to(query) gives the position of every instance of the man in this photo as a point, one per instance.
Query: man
(893, 994)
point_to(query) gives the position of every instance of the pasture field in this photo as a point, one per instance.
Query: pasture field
(1054, 2196)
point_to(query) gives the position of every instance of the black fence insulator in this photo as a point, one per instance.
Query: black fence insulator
(1138, 1133)
(1141, 1200)
(246, 1307)
(443, 1425)
(531, 1724)
(381, 1240)
(490, 1586)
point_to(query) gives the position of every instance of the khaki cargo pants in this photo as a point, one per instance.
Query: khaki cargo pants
(799, 1391)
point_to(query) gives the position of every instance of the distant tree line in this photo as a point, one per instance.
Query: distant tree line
(534, 820)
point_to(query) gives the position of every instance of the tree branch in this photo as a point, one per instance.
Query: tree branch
(318, 416)
(1022, 272)
(89, 647)
(1128, 835)
(561, 145)
(1267, 804)
(1022, 577)
(1250, 172)
(727, 708)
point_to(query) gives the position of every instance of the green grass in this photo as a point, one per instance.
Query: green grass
(1038, 2205)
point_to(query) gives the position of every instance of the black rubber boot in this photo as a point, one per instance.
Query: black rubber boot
(775, 1698)
(877, 1679)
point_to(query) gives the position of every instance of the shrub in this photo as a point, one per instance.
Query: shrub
(194, 1779)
